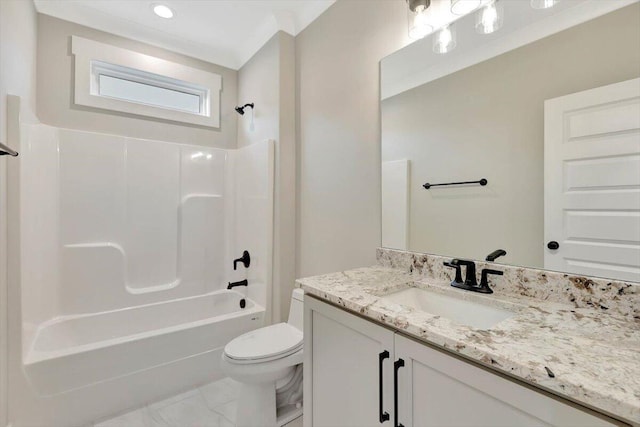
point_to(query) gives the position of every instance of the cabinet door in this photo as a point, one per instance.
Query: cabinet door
(343, 356)
(437, 389)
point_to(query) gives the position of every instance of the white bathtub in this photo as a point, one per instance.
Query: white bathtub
(75, 352)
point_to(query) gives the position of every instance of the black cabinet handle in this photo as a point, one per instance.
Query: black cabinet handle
(396, 367)
(384, 416)
(553, 245)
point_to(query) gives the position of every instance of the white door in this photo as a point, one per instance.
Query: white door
(344, 358)
(439, 390)
(592, 182)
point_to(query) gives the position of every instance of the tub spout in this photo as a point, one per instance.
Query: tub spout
(240, 283)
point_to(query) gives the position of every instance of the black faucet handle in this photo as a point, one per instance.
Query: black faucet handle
(245, 260)
(496, 254)
(486, 271)
(484, 281)
(458, 278)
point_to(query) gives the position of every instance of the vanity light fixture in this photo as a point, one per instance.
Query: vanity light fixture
(462, 7)
(489, 19)
(163, 11)
(543, 4)
(445, 40)
(419, 26)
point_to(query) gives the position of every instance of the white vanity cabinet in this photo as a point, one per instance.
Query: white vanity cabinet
(347, 354)
(349, 383)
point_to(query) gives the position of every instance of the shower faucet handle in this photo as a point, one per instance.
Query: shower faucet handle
(245, 259)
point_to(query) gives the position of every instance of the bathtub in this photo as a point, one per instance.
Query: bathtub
(75, 352)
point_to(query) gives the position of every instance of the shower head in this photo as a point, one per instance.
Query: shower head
(240, 110)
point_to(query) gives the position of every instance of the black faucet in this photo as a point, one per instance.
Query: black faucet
(484, 281)
(470, 282)
(495, 254)
(458, 278)
(470, 272)
(246, 260)
(240, 283)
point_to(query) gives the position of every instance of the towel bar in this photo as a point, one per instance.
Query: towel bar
(482, 182)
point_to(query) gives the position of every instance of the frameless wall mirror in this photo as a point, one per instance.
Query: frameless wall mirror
(545, 112)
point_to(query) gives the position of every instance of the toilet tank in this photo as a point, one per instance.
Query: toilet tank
(296, 312)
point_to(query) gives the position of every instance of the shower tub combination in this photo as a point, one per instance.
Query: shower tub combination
(71, 352)
(126, 250)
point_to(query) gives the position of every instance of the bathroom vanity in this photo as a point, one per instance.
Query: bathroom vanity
(541, 350)
(519, 148)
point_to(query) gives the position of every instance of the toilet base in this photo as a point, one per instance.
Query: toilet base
(288, 413)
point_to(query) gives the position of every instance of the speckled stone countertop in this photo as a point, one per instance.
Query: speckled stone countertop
(559, 339)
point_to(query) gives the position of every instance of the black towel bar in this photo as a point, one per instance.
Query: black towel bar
(482, 182)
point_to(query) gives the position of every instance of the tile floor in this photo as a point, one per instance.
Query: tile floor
(212, 405)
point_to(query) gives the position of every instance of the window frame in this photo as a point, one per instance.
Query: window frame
(93, 59)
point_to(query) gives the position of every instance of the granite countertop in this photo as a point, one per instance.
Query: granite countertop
(587, 355)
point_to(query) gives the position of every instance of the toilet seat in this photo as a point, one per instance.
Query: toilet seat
(265, 344)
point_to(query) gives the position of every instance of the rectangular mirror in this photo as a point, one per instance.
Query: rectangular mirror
(547, 111)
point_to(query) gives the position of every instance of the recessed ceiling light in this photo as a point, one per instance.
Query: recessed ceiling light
(163, 11)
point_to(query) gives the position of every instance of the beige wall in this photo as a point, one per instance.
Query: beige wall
(286, 167)
(268, 80)
(55, 94)
(258, 83)
(338, 131)
(18, 36)
(487, 122)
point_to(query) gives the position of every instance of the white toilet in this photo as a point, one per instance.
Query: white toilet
(268, 363)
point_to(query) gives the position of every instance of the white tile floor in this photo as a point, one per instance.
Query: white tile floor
(212, 405)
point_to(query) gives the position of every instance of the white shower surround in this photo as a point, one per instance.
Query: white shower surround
(126, 250)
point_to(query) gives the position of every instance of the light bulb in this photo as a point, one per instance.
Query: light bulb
(490, 18)
(462, 7)
(419, 26)
(444, 40)
(163, 11)
(543, 4)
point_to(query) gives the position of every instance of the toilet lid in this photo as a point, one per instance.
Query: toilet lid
(281, 339)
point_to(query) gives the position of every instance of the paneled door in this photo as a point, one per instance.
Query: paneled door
(592, 182)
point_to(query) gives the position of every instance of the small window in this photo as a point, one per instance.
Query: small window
(116, 79)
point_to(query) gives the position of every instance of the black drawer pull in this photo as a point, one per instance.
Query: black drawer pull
(396, 367)
(384, 416)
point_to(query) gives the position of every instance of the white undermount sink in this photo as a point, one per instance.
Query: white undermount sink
(464, 312)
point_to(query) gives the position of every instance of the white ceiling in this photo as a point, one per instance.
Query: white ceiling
(225, 32)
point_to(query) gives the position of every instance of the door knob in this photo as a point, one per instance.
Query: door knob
(553, 245)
